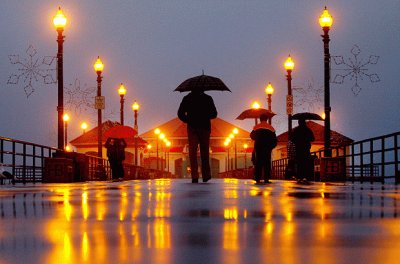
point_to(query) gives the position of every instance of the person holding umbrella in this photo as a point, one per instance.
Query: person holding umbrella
(196, 110)
(265, 141)
(302, 136)
(116, 155)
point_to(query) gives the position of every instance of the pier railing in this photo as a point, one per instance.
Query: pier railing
(25, 161)
(371, 160)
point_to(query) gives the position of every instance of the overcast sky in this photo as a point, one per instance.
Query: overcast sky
(152, 46)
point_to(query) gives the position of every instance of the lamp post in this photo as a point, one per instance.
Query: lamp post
(226, 144)
(235, 131)
(99, 104)
(122, 92)
(157, 131)
(269, 90)
(161, 136)
(255, 105)
(168, 144)
(135, 108)
(59, 22)
(66, 119)
(325, 21)
(84, 126)
(245, 146)
(289, 66)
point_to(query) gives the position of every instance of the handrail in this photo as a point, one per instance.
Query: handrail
(373, 159)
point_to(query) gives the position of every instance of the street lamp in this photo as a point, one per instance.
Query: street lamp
(157, 131)
(226, 144)
(269, 90)
(255, 105)
(325, 21)
(161, 136)
(99, 104)
(168, 144)
(135, 108)
(122, 92)
(245, 146)
(84, 126)
(289, 66)
(66, 119)
(235, 131)
(59, 22)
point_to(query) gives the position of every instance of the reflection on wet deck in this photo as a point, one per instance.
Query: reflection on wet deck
(173, 221)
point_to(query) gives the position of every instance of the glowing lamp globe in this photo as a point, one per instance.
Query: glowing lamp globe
(289, 64)
(269, 89)
(98, 65)
(135, 106)
(325, 20)
(255, 105)
(59, 20)
(121, 90)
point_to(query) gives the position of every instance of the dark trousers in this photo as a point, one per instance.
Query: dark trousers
(199, 136)
(305, 165)
(117, 169)
(262, 164)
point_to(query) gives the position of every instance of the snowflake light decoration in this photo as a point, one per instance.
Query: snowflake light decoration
(79, 99)
(32, 69)
(355, 69)
(308, 97)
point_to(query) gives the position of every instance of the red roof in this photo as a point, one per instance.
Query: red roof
(175, 128)
(337, 139)
(89, 139)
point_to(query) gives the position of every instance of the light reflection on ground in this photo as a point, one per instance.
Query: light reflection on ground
(174, 221)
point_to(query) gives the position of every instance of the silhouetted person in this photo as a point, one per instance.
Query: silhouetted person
(196, 110)
(116, 155)
(302, 136)
(265, 141)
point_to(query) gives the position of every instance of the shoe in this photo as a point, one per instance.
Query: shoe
(266, 181)
(206, 179)
(195, 180)
(256, 180)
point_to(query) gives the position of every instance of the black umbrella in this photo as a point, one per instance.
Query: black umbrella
(307, 116)
(202, 83)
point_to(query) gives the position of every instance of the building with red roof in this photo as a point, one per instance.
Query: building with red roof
(176, 158)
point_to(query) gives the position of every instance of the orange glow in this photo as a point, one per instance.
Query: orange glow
(157, 131)
(59, 19)
(149, 146)
(231, 236)
(269, 89)
(98, 65)
(325, 20)
(84, 125)
(135, 106)
(323, 116)
(121, 90)
(289, 64)
(162, 136)
(255, 105)
(235, 131)
(66, 117)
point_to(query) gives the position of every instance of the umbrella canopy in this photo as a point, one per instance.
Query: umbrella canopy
(307, 116)
(120, 132)
(202, 83)
(255, 113)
